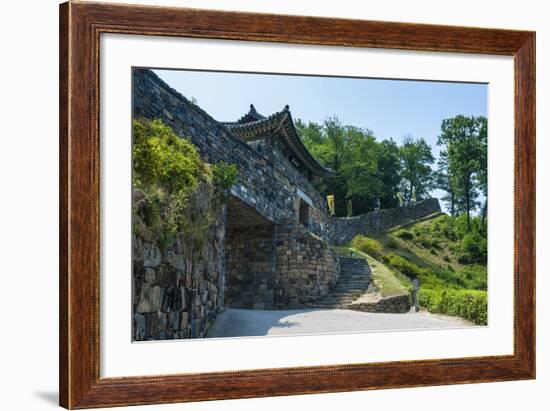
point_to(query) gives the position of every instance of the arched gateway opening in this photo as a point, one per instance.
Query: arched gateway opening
(250, 258)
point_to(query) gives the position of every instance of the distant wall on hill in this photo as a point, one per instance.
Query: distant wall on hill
(343, 229)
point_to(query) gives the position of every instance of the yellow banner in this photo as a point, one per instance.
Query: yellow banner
(330, 203)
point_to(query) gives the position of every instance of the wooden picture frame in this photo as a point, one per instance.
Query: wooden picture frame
(80, 27)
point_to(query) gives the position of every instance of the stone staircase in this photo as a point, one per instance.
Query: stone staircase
(354, 281)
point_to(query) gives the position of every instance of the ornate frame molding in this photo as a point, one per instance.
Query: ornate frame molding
(80, 27)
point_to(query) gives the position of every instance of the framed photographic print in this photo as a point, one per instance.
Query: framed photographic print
(258, 205)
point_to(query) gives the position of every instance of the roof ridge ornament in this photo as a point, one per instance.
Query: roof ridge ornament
(254, 125)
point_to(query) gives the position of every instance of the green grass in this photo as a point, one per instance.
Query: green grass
(433, 250)
(346, 251)
(388, 282)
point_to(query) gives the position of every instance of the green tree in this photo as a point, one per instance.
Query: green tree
(465, 143)
(361, 172)
(482, 171)
(445, 181)
(351, 154)
(416, 172)
(389, 172)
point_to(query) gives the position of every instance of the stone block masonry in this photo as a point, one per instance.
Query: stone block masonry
(267, 182)
(250, 267)
(277, 267)
(307, 268)
(343, 229)
(398, 304)
(175, 296)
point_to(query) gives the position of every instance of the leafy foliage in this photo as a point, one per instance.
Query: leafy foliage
(440, 252)
(371, 174)
(161, 158)
(468, 304)
(174, 190)
(463, 165)
(366, 172)
(416, 173)
(367, 245)
(405, 235)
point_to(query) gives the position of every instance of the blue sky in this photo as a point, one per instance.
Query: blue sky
(390, 108)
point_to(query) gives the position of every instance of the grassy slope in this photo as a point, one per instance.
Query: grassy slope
(420, 254)
(432, 255)
(432, 250)
(388, 283)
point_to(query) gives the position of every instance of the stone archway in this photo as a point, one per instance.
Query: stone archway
(250, 258)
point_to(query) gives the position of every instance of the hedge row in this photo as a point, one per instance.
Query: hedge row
(468, 304)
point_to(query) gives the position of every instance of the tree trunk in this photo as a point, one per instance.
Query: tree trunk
(467, 187)
(452, 204)
(484, 212)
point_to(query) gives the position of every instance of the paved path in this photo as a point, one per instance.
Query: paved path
(234, 322)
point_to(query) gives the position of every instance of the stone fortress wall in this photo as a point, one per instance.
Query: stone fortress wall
(173, 296)
(261, 255)
(267, 183)
(277, 267)
(343, 229)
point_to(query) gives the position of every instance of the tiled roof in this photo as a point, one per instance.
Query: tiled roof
(253, 125)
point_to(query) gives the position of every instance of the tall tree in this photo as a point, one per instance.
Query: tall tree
(389, 169)
(351, 153)
(445, 181)
(465, 141)
(482, 171)
(416, 172)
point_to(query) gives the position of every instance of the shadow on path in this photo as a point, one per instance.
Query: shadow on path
(233, 322)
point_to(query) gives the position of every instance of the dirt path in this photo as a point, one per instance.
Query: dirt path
(240, 323)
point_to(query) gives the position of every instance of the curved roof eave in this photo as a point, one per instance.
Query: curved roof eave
(281, 124)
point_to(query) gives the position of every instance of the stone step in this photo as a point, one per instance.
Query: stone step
(340, 296)
(354, 277)
(354, 294)
(351, 286)
(354, 274)
(354, 280)
(335, 302)
(350, 291)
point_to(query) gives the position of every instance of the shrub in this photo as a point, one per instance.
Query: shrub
(224, 177)
(433, 251)
(446, 258)
(405, 235)
(161, 158)
(367, 245)
(473, 249)
(173, 189)
(474, 276)
(390, 242)
(403, 265)
(435, 243)
(468, 304)
(424, 242)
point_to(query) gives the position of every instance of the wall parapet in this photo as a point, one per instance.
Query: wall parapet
(343, 229)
